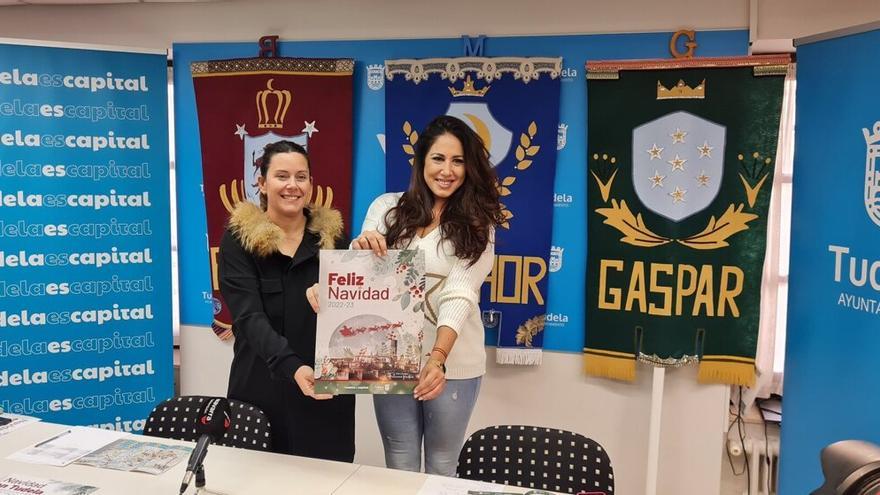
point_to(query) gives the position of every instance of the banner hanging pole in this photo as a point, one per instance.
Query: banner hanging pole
(654, 430)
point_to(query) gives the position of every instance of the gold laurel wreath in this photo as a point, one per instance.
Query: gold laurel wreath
(234, 194)
(631, 226)
(527, 331)
(524, 150)
(713, 236)
(412, 136)
(324, 196)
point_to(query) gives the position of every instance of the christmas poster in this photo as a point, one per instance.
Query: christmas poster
(369, 335)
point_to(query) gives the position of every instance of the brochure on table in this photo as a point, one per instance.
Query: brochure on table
(369, 337)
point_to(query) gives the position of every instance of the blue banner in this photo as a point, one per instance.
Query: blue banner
(85, 248)
(832, 384)
(564, 329)
(513, 104)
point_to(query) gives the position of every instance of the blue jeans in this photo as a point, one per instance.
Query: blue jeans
(442, 423)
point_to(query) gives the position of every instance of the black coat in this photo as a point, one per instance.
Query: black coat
(274, 328)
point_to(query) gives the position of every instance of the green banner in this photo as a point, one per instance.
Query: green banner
(681, 155)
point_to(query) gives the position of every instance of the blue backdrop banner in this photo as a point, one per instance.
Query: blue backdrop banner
(564, 324)
(513, 104)
(85, 248)
(832, 383)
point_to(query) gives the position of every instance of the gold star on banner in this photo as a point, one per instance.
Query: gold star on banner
(655, 152)
(678, 195)
(657, 180)
(678, 136)
(705, 150)
(677, 163)
(703, 179)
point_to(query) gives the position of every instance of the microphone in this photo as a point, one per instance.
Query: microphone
(850, 467)
(211, 424)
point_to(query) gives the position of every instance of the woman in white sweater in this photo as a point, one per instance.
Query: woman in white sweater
(450, 212)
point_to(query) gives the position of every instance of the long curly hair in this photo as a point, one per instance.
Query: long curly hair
(470, 213)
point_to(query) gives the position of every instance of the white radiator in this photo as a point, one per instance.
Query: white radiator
(763, 461)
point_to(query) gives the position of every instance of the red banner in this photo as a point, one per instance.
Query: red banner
(244, 104)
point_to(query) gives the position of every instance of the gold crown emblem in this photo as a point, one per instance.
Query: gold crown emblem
(468, 89)
(272, 105)
(681, 91)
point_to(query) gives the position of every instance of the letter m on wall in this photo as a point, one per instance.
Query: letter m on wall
(473, 47)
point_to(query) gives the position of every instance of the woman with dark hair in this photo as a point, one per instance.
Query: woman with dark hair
(268, 258)
(450, 212)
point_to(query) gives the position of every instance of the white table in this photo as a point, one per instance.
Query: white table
(227, 470)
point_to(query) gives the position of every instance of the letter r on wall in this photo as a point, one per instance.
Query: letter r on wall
(268, 46)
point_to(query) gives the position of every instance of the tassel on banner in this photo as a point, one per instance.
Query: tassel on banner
(731, 370)
(610, 364)
(222, 330)
(513, 355)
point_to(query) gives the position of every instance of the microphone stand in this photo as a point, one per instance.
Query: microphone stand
(200, 482)
(200, 477)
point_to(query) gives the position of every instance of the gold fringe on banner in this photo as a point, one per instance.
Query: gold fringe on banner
(732, 370)
(770, 70)
(223, 330)
(274, 65)
(610, 364)
(609, 69)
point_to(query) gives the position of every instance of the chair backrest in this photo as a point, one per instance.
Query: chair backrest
(537, 457)
(176, 418)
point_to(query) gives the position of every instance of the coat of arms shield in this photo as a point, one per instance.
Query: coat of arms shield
(872, 174)
(253, 150)
(496, 137)
(678, 161)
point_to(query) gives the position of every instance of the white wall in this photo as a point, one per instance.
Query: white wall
(799, 18)
(158, 25)
(557, 394)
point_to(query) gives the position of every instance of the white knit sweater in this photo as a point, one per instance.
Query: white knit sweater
(452, 292)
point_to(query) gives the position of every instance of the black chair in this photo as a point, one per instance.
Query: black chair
(536, 457)
(176, 418)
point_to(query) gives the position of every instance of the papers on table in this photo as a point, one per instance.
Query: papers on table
(28, 485)
(132, 455)
(67, 446)
(441, 485)
(10, 422)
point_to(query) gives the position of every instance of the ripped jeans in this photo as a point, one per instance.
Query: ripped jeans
(442, 423)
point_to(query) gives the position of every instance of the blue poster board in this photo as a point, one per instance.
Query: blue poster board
(85, 248)
(565, 318)
(832, 382)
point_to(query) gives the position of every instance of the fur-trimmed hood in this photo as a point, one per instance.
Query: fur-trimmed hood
(258, 235)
